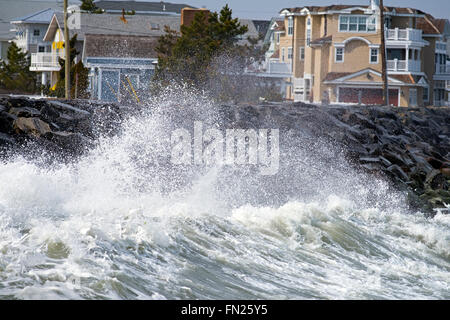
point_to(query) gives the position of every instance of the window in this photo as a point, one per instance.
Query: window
(353, 26)
(282, 54)
(353, 23)
(413, 97)
(308, 37)
(278, 38)
(290, 53)
(426, 94)
(41, 49)
(371, 24)
(308, 21)
(302, 53)
(36, 32)
(362, 24)
(373, 55)
(290, 26)
(339, 57)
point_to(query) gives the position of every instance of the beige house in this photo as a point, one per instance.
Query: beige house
(332, 54)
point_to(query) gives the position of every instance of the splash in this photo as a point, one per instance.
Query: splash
(124, 222)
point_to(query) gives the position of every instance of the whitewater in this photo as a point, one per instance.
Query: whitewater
(122, 222)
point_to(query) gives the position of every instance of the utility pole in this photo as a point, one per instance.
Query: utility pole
(67, 49)
(383, 56)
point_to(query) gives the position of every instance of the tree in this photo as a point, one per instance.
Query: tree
(16, 75)
(78, 75)
(89, 6)
(207, 54)
(186, 56)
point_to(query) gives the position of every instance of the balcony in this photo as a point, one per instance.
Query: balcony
(403, 65)
(44, 61)
(442, 72)
(404, 35)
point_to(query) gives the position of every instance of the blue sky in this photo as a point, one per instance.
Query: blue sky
(264, 9)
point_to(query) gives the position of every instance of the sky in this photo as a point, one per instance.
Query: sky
(265, 9)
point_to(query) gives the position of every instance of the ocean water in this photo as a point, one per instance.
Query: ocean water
(123, 223)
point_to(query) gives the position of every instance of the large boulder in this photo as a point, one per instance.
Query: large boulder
(33, 126)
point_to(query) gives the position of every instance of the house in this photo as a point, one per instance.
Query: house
(119, 77)
(332, 54)
(30, 31)
(10, 10)
(129, 30)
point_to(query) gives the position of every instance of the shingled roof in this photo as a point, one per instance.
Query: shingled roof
(125, 46)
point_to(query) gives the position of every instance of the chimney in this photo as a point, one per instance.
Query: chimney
(188, 14)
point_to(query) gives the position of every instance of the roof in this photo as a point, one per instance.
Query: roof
(125, 46)
(142, 7)
(322, 9)
(43, 16)
(405, 78)
(427, 26)
(139, 25)
(336, 75)
(276, 55)
(279, 28)
(261, 26)
(251, 33)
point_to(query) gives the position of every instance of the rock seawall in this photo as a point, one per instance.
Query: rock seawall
(410, 146)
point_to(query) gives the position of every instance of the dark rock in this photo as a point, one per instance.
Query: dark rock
(6, 139)
(398, 172)
(27, 112)
(33, 126)
(6, 122)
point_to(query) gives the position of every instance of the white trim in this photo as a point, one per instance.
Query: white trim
(342, 79)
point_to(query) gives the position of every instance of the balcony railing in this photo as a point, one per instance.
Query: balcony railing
(404, 34)
(403, 65)
(44, 60)
(442, 69)
(442, 46)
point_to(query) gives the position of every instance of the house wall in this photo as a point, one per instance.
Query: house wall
(356, 57)
(299, 41)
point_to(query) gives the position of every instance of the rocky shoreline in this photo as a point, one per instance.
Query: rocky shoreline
(410, 146)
